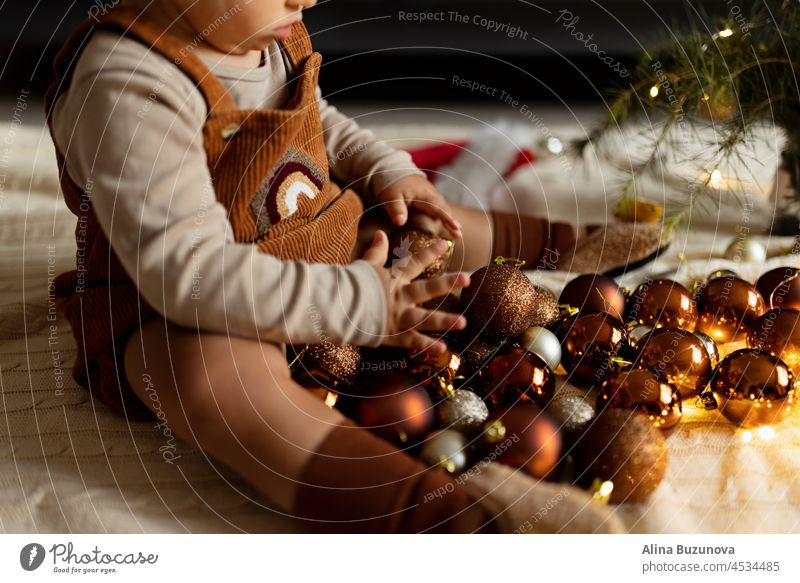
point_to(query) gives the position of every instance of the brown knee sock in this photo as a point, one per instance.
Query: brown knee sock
(356, 483)
(537, 241)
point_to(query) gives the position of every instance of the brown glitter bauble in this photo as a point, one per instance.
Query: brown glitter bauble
(448, 303)
(523, 436)
(327, 365)
(663, 303)
(780, 288)
(753, 388)
(475, 354)
(394, 407)
(593, 347)
(778, 332)
(546, 311)
(516, 375)
(677, 356)
(592, 293)
(500, 301)
(409, 241)
(643, 391)
(625, 448)
(728, 307)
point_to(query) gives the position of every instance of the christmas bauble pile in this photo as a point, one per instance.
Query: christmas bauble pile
(636, 360)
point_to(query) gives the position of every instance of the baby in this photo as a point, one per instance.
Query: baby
(200, 158)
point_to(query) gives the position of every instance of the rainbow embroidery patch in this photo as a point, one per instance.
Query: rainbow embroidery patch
(279, 196)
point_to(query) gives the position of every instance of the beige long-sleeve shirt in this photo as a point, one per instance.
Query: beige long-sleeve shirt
(149, 185)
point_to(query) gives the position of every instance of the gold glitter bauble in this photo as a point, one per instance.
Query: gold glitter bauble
(409, 241)
(500, 301)
(625, 448)
(327, 365)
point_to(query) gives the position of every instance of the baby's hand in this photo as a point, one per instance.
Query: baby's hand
(403, 295)
(417, 192)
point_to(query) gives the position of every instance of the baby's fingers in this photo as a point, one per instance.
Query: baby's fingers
(417, 342)
(439, 210)
(431, 320)
(422, 290)
(422, 259)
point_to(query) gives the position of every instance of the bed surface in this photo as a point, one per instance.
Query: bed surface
(67, 464)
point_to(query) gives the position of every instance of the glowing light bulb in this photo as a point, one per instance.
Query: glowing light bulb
(554, 145)
(331, 398)
(716, 178)
(747, 437)
(766, 433)
(725, 33)
(654, 91)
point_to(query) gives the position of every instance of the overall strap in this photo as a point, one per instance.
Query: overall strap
(133, 24)
(298, 46)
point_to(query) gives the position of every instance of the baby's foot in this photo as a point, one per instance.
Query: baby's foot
(522, 504)
(616, 248)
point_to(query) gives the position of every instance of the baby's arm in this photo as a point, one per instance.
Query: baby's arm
(357, 158)
(131, 128)
(381, 173)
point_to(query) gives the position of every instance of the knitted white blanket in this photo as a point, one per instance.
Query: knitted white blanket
(67, 464)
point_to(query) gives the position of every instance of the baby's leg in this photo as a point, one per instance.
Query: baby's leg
(234, 399)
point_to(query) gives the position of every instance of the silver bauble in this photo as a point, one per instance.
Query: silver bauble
(711, 347)
(746, 249)
(465, 412)
(636, 333)
(721, 273)
(571, 412)
(446, 449)
(544, 344)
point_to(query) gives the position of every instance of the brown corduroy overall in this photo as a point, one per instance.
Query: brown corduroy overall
(269, 169)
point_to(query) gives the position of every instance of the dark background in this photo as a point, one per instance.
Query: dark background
(370, 57)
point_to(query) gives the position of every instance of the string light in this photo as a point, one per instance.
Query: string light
(725, 33)
(716, 178)
(654, 91)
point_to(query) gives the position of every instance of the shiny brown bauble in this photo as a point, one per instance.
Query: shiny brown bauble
(623, 447)
(594, 346)
(643, 391)
(778, 332)
(528, 439)
(500, 301)
(516, 375)
(327, 366)
(728, 307)
(780, 288)
(753, 388)
(409, 241)
(592, 293)
(677, 356)
(663, 303)
(425, 365)
(394, 407)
